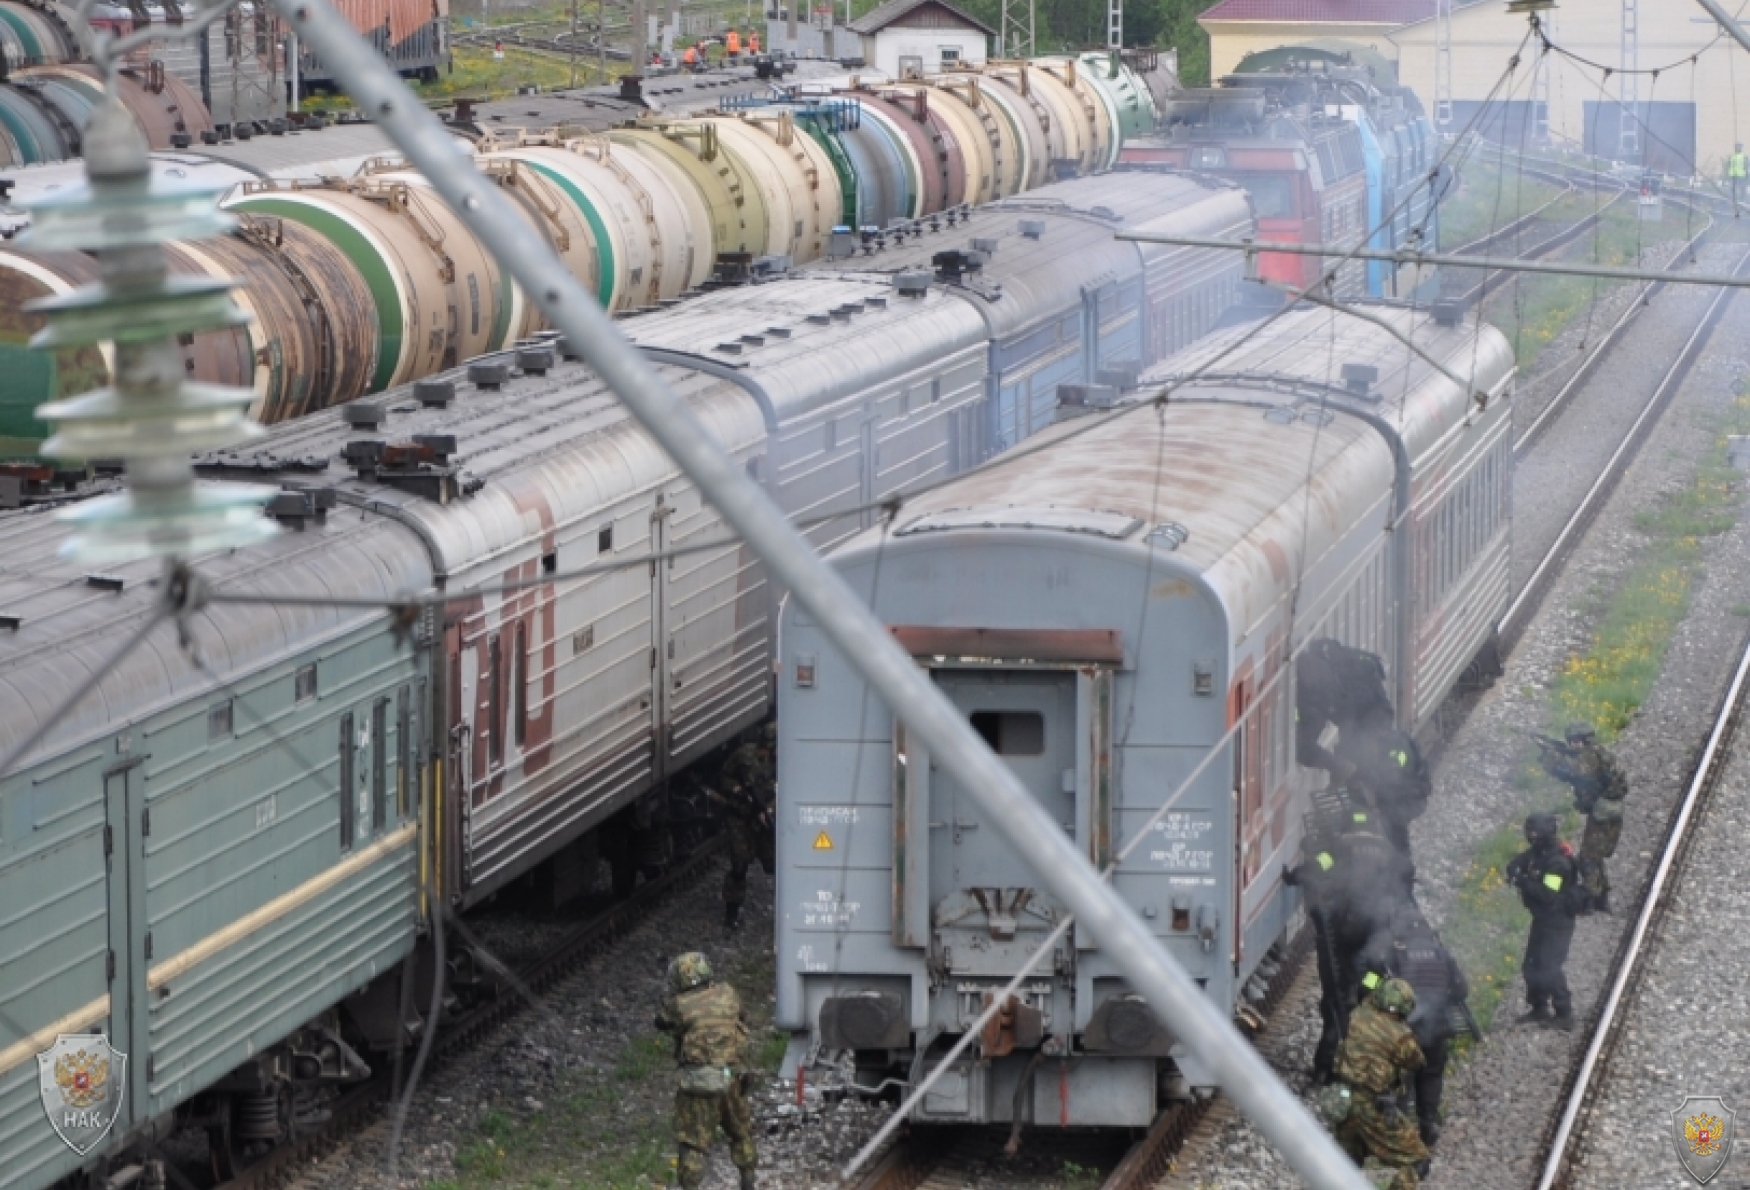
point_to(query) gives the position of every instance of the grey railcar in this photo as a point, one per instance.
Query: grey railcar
(1105, 604)
(1064, 302)
(223, 863)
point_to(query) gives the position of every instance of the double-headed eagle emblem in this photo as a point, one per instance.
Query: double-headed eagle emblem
(83, 1077)
(1701, 1131)
(1703, 1134)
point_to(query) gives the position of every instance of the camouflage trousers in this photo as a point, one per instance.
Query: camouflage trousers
(696, 1121)
(747, 842)
(1597, 845)
(1391, 1138)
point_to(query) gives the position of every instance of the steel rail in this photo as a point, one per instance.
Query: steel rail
(1654, 904)
(1518, 612)
(853, 630)
(1546, 416)
(1556, 242)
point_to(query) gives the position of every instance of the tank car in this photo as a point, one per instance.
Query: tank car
(1105, 605)
(312, 765)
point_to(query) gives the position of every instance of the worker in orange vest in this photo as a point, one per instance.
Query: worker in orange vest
(753, 43)
(732, 45)
(690, 59)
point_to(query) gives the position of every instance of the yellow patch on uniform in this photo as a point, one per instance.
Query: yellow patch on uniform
(823, 842)
(1553, 882)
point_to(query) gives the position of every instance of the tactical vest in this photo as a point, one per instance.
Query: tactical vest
(711, 1032)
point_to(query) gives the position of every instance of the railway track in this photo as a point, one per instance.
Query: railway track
(363, 1104)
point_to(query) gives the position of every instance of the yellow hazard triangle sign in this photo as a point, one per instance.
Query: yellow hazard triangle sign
(823, 842)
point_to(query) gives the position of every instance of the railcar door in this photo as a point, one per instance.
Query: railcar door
(124, 868)
(985, 902)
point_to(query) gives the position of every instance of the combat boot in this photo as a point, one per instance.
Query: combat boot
(731, 916)
(1563, 1021)
(748, 1181)
(1536, 1014)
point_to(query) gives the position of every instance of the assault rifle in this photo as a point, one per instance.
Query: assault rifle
(1551, 744)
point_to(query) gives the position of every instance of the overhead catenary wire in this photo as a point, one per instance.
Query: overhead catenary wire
(852, 630)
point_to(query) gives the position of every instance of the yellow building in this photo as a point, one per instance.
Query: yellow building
(1240, 27)
(1686, 120)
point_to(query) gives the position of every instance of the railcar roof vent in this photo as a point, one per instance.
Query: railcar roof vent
(912, 283)
(293, 508)
(1033, 229)
(535, 361)
(984, 244)
(950, 266)
(1448, 312)
(488, 374)
(434, 394)
(1168, 535)
(364, 415)
(1359, 378)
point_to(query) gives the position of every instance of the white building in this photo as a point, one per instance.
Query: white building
(920, 37)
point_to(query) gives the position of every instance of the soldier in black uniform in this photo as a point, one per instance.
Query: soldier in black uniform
(1547, 879)
(1410, 950)
(749, 787)
(1336, 684)
(1387, 771)
(1354, 881)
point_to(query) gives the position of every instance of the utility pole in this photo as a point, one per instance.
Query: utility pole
(572, 44)
(1015, 30)
(1114, 25)
(1442, 65)
(1628, 136)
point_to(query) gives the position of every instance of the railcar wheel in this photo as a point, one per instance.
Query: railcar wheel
(222, 1152)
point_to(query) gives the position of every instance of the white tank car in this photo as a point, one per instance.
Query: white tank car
(1104, 604)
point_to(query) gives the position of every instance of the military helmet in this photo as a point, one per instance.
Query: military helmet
(689, 971)
(1581, 733)
(1541, 828)
(1396, 997)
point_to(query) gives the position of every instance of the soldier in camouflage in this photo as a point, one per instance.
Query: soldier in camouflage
(1373, 1062)
(1412, 951)
(749, 780)
(710, 1045)
(1599, 790)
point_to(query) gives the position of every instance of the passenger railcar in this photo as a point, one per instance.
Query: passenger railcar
(1065, 303)
(1104, 608)
(316, 766)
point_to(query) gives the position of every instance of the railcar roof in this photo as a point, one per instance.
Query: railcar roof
(1027, 275)
(810, 340)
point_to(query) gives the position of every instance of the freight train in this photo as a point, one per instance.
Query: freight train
(43, 109)
(414, 35)
(1332, 150)
(1110, 604)
(177, 853)
(371, 282)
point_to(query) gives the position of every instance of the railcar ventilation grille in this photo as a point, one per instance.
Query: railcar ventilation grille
(1168, 535)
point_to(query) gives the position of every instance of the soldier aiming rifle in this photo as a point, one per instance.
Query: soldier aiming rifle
(1599, 788)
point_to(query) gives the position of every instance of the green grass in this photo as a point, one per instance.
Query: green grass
(607, 1129)
(1488, 198)
(1604, 684)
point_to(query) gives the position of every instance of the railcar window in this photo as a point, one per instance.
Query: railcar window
(1011, 733)
(346, 775)
(404, 754)
(219, 722)
(380, 764)
(304, 683)
(522, 684)
(1272, 195)
(604, 541)
(495, 699)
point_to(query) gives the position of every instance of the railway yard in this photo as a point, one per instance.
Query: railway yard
(833, 611)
